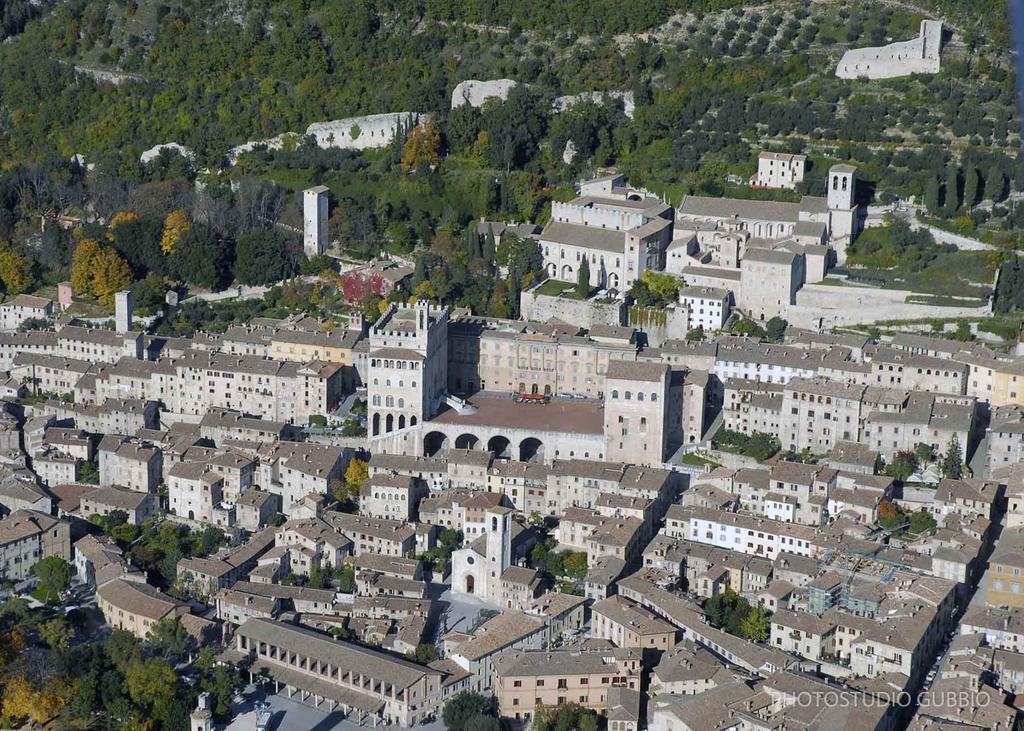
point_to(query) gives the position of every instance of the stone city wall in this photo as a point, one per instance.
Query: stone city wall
(585, 313)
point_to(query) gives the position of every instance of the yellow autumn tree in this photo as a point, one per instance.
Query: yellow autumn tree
(52, 697)
(422, 146)
(176, 225)
(123, 217)
(14, 270)
(112, 275)
(99, 270)
(19, 697)
(82, 264)
(482, 146)
(22, 699)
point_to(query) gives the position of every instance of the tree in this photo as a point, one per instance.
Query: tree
(123, 649)
(221, 684)
(749, 328)
(490, 247)
(515, 128)
(719, 607)
(15, 270)
(22, 699)
(111, 274)
(471, 243)
(169, 639)
(952, 202)
(202, 258)
(176, 225)
(463, 126)
(99, 271)
(82, 264)
(903, 465)
(995, 184)
(489, 723)
(889, 515)
(422, 146)
(583, 280)
(138, 241)
(925, 453)
(147, 681)
(755, 626)
(775, 329)
(921, 521)
(356, 474)
(664, 287)
(262, 257)
(931, 195)
(372, 308)
(952, 465)
(696, 334)
(125, 533)
(575, 565)
(346, 576)
(970, 187)
(425, 653)
(54, 577)
(57, 633)
(462, 708)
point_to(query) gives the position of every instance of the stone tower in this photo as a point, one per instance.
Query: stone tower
(840, 187)
(842, 208)
(314, 220)
(499, 545)
(636, 412)
(408, 366)
(123, 306)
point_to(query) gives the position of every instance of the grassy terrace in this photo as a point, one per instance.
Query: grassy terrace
(557, 288)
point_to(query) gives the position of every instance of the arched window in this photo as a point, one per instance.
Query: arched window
(376, 399)
(835, 182)
(844, 183)
(629, 395)
(654, 397)
(615, 393)
(401, 403)
(640, 396)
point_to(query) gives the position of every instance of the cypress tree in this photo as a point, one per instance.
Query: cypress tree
(931, 195)
(952, 201)
(472, 243)
(490, 247)
(419, 274)
(970, 187)
(952, 464)
(583, 279)
(995, 184)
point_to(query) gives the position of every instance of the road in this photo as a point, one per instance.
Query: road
(243, 292)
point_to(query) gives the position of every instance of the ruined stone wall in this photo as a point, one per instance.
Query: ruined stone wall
(918, 56)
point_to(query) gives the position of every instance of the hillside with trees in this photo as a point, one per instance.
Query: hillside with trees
(714, 82)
